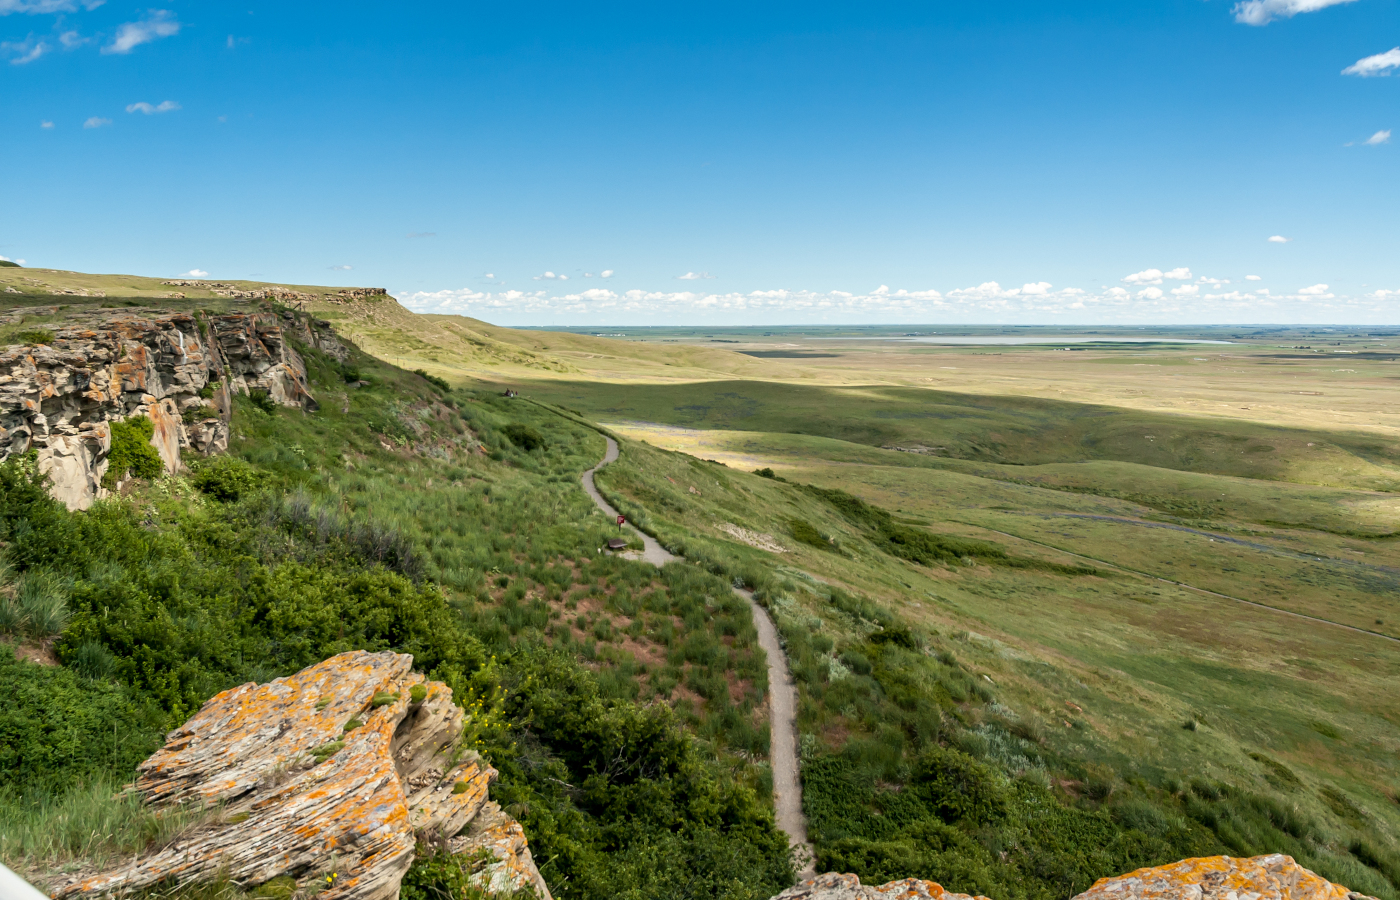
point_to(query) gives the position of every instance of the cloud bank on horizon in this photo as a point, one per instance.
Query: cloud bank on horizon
(1204, 301)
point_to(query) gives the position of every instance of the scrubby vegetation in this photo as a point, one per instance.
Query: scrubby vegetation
(415, 522)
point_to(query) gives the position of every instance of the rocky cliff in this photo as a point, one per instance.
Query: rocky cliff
(328, 778)
(1274, 877)
(61, 391)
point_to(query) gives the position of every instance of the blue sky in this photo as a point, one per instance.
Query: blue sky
(1035, 162)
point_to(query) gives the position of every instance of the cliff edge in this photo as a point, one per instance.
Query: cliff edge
(62, 389)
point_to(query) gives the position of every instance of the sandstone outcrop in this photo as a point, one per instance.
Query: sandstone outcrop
(330, 777)
(832, 886)
(1273, 877)
(276, 292)
(60, 396)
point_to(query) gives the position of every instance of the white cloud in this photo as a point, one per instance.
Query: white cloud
(160, 23)
(1034, 302)
(342, 268)
(1262, 12)
(550, 276)
(96, 122)
(25, 51)
(1217, 282)
(1148, 276)
(1380, 64)
(1155, 276)
(46, 124)
(148, 109)
(591, 294)
(1380, 137)
(695, 276)
(1279, 239)
(194, 273)
(490, 275)
(1252, 278)
(35, 7)
(606, 273)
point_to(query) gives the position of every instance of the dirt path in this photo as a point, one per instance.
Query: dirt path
(782, 693)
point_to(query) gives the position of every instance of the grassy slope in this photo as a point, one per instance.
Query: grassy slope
(1101, 672)
(426, 529)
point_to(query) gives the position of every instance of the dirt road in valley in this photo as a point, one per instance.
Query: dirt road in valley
(782, 693)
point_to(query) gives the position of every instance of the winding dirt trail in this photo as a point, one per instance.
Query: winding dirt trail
(782, 693)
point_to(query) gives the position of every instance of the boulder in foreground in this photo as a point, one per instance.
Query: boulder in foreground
(329, 776)
(1273, 877)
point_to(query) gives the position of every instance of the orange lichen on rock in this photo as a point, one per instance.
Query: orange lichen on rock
(1272, 877)
(334, 771)
(832, 886)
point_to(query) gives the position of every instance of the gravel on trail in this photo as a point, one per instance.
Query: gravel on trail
(782, 693)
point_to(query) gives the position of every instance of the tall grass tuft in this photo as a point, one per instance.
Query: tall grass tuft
(90, 825)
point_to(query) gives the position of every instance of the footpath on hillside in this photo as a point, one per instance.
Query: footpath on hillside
(782, 692)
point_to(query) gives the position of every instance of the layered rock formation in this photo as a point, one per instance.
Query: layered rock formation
(848, 887)
(329, 777)
(1273, 877)
(60, 396)
(277, 292)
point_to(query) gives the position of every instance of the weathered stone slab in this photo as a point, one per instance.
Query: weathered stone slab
(1273, 877)
(329, 776)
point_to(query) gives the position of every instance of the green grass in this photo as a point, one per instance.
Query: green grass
(402, 518)
(1019, 431)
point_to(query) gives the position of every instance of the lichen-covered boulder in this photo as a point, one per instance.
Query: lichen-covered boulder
(328, 776)
(832, 886)
(1272, 877)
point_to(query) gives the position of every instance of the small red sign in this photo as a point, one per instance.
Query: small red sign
(621, 520)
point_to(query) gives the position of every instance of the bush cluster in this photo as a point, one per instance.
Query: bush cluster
(132, 451)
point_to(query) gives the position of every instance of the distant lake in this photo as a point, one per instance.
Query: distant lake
(1017, 339)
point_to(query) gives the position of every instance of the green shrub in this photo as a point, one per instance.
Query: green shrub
(765, 472)
(524, 437)
(804, 532)
(262, 400)
(132, 451)
(439, 383)
(198, 414)
(226, 478)
(207, 392)
(439, 874)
